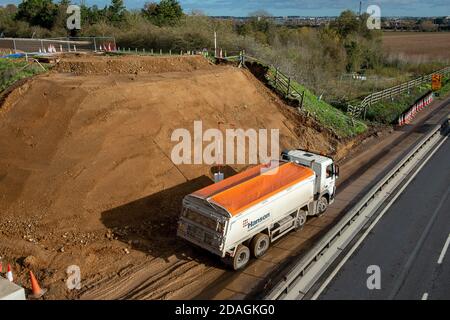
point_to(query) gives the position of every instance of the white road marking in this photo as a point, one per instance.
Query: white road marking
(444, 250)
(425, 296)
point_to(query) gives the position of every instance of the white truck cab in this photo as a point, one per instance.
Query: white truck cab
(327, 172)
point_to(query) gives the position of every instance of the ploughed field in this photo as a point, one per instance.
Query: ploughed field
(418, 46)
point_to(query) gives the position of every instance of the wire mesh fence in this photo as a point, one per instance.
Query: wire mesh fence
(54, 45)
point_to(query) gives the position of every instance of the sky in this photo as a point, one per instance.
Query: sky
(295, 7)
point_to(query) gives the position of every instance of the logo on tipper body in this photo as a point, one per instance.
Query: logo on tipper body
(251, 224)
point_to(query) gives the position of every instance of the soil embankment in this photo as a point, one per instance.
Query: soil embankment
(86, 177)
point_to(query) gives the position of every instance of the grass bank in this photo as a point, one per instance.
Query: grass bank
(12, 70)
(388, 111)
(328, 116)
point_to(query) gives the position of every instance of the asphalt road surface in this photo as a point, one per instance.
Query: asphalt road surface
(409, 243)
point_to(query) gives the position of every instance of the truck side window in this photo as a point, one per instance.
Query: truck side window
(330, 171)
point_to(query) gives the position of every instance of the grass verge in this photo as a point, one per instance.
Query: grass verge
(330, 117)
(15, 70)
(388, 111)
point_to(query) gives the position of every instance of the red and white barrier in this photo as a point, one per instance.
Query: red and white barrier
(409, 115)
(9, 274)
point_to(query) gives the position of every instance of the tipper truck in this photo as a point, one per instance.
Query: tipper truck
(242, 215)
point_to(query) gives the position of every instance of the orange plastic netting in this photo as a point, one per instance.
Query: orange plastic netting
(249, 187)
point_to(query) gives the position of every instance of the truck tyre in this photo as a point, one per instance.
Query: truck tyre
(259, 245)
(322, 206)
(301, 220)
(241, 257)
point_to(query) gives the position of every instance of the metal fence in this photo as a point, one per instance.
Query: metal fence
(361, 109)
(53, 45)
(277, 79)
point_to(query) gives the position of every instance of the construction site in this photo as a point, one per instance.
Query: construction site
(86, 177)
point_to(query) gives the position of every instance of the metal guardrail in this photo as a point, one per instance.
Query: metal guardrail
(357, 110)
(349, 221)
(70, 44)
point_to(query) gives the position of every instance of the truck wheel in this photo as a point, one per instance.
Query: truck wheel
(259, 245)
(241, 257)
(301, 220)
(322, 206)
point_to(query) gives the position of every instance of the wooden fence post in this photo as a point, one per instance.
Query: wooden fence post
(288, 86)
(276, 76)
(301, 101)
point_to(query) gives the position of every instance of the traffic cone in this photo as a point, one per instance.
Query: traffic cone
(37, 291)
(9, 274)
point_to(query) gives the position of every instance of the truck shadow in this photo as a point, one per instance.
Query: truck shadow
(150, 224)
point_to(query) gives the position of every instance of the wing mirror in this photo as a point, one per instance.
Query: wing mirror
(336, 171)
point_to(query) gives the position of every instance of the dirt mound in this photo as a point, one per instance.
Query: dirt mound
(86, 176)
(131, 64)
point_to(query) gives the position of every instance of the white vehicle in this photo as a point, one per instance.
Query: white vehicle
(243, 214)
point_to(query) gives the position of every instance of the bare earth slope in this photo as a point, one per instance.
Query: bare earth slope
(86, 177)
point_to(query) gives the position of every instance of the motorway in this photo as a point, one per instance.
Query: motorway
(410, 243)
(358, 174)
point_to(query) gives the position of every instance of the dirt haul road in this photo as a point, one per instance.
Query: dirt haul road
(86, 177)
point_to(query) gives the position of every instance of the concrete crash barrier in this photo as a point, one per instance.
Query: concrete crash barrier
(10, 291)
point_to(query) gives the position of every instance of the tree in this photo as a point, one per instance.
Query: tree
(346, 24)
(427, 26)
(92, 15)
(166, 12)
(61, 15)
(150, 9)
(116, 11)
(37, 12)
